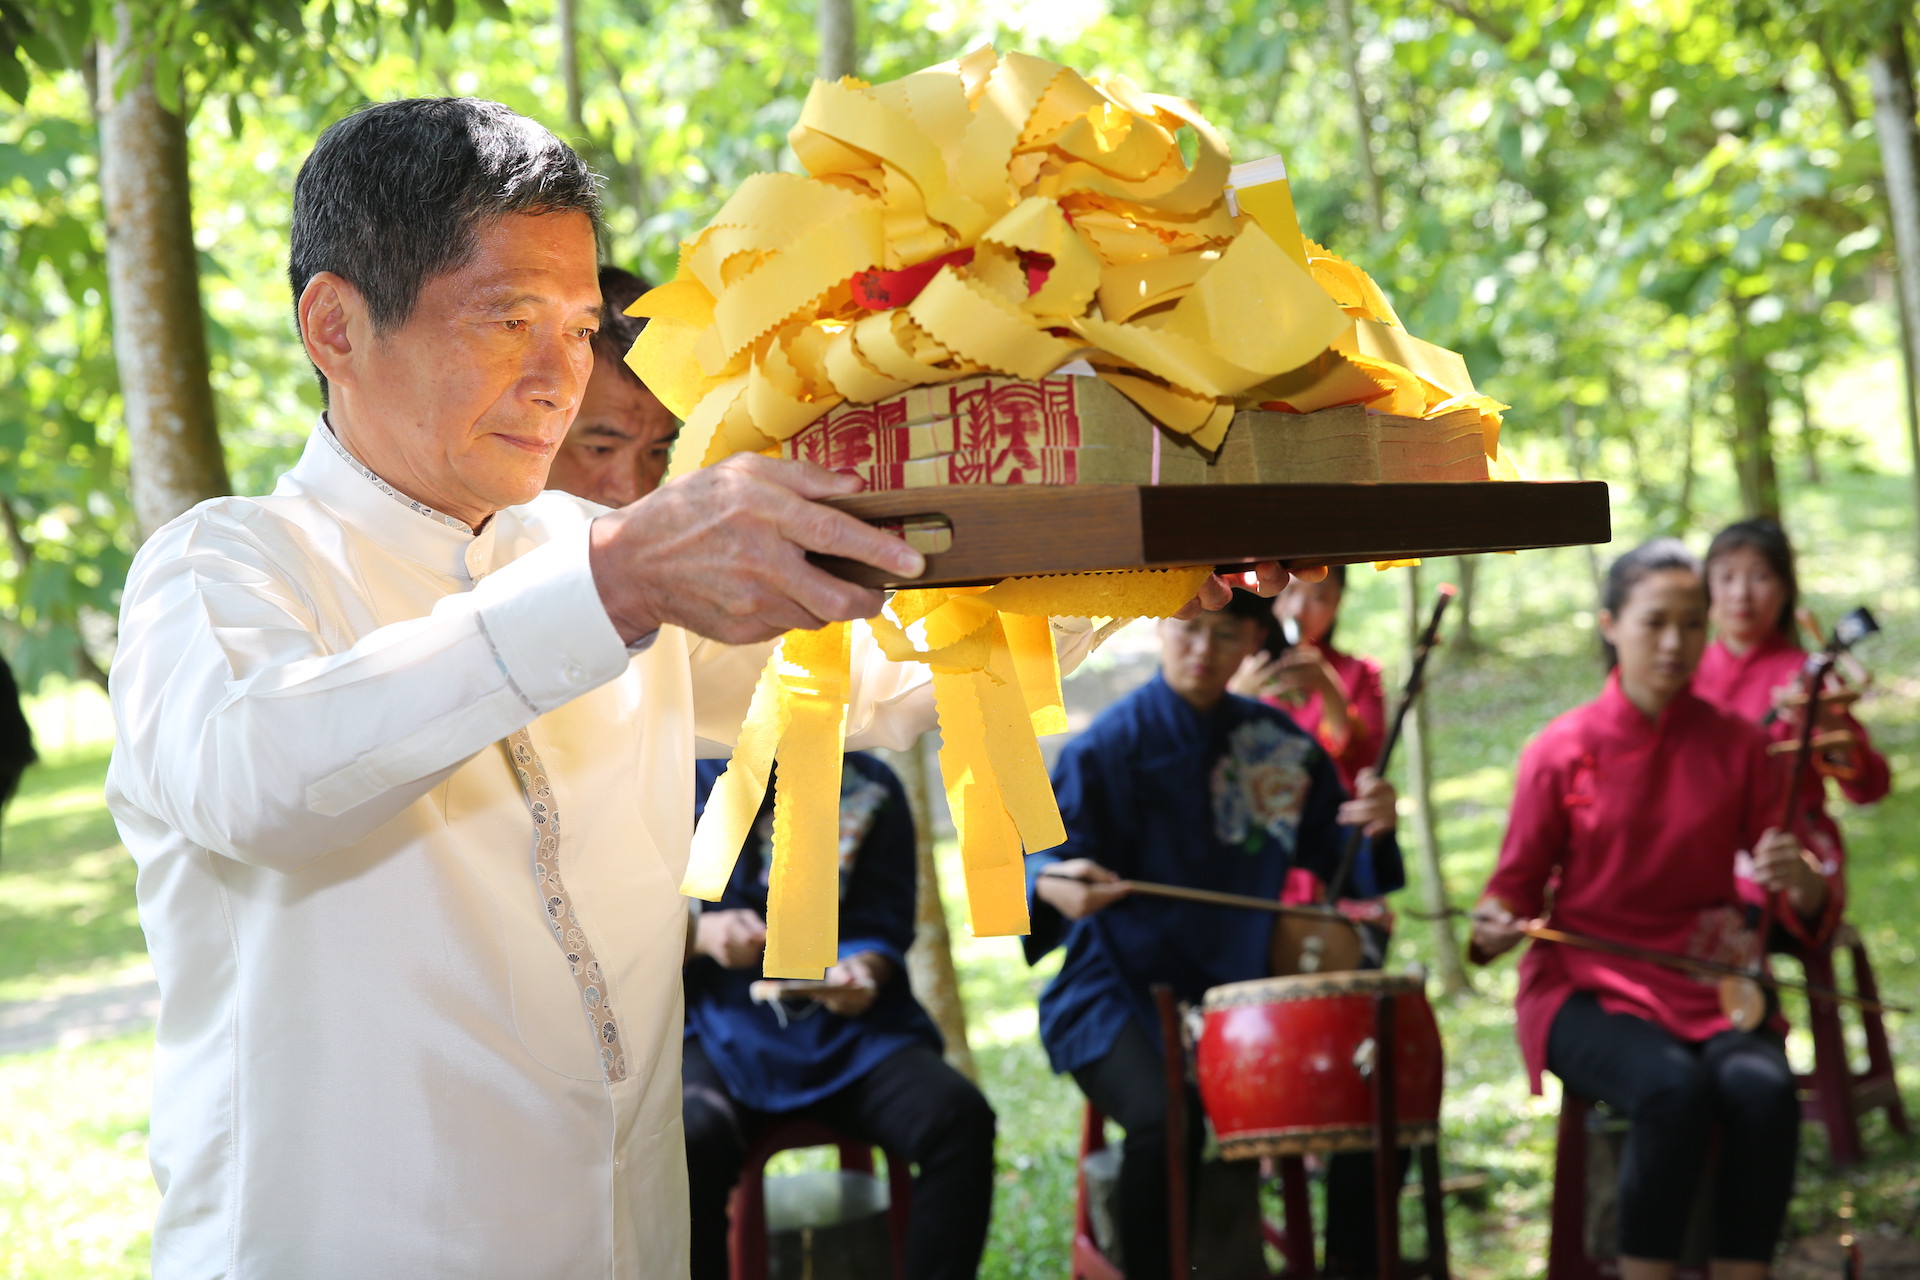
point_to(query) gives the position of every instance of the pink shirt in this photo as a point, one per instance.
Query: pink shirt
(1366, 714)
(1628, 829)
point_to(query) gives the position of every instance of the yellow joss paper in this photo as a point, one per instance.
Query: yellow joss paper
(997, 214)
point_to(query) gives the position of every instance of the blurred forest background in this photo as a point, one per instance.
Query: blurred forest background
(1675, 235)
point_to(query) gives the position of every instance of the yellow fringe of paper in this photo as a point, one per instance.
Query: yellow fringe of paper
(996, 682)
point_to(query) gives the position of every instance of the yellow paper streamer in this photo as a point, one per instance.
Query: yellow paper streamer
(803, 884)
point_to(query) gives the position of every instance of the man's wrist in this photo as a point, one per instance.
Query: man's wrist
(625, 605)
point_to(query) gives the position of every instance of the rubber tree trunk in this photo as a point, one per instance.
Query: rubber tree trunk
(153, 279)
(1752, 420)
(1890, 72)
(1433, 885)
(1465, 642)
(1343, 30)
(930, 962)
(566, 17)
(833, 21)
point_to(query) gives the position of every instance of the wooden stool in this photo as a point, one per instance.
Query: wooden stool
(1833, 1094)
(747, 1233)
(1567, 1256)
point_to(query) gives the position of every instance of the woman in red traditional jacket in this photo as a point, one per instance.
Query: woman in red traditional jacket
(1628, 816)
(1334, 696)
(1754, 663)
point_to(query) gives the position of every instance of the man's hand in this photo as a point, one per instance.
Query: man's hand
(734, 939)
(1782, 865)
(1373, 807)
(857, 981)
(1266, 578)
(723, 553)
(1079, 887)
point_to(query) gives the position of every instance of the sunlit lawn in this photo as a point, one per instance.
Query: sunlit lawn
(75, 1195)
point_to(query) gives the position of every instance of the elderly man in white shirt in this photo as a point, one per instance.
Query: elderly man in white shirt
(405, 753)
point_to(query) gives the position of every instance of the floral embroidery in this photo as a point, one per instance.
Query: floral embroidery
(1260, 786)
(1721, 935)
(861, 800)
(546, 828)
(553, 892)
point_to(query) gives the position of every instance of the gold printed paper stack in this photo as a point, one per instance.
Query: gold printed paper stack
(904, 309)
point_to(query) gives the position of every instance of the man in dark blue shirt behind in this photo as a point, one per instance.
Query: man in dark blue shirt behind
(864, 1059)
(1179, 783)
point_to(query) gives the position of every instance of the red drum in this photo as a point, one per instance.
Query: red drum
(1286, 1064)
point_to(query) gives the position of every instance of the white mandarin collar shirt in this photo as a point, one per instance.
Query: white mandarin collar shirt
(410, 822)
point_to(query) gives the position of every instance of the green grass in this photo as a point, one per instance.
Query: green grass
(76, 1199)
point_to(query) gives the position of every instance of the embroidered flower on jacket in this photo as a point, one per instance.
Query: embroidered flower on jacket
(1260, 786)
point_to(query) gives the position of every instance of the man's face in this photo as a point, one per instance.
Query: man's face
(617, 451)
(1199, 655)
(465, 405)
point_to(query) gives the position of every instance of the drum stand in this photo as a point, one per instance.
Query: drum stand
(1386, 1167)
(1296, 1241)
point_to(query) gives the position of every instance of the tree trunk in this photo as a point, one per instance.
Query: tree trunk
(838, 47)
(1683, 516)
(1809, 429)
(153, 279)
(930, 962)
(1343, 31)
(1577, 459)
(567, 17)
(1752, 420)
(1446, 947)
(1465, 643)
(1891, 75)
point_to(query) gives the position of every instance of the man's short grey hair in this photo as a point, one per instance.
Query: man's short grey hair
(398, 192)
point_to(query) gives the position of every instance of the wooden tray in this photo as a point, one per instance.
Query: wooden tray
(1010, 531)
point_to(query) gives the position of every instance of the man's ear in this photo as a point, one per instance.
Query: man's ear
(333, 316)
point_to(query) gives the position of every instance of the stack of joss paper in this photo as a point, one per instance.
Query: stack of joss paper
(995, 221)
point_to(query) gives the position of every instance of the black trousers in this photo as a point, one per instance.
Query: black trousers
(913, 1104)
(1676, 1094)
(1129, 1086)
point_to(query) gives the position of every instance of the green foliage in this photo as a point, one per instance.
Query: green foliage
(1576, 196)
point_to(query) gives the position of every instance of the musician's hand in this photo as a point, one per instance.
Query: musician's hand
(1782, 865)
(857, 981)
(1256, 676)
(1496, 931)
(735, 939)
(1079, 887)
(1266, 578)
(1374, 805)
(1303, 669)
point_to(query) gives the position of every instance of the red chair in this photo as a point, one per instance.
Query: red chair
(1567, 1256)
(747, 1236)
(1833, 1094)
